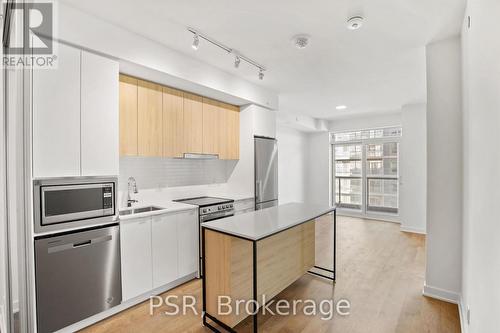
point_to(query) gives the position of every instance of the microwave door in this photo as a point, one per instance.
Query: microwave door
(69, 203)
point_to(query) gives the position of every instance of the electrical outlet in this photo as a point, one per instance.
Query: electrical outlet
(468, 315)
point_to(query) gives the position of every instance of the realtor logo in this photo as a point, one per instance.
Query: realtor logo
(33, 46)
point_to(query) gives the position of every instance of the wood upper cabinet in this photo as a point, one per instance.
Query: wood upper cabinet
(173, 122)
(230, 131)
(193, 123)
(128, 116)
(149, 119)
(211, 127)
(162, 121)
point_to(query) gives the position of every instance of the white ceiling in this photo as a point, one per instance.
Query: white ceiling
(379, 67)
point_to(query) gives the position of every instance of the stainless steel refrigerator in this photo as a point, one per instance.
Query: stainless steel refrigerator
(266, 173)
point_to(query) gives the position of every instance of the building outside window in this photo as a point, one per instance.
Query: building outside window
(366, 170)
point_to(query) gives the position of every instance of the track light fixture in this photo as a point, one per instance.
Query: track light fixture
(237, 56)
(196, 42)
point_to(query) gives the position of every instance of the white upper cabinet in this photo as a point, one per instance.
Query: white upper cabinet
(99, 115)
(188, 242)
(56, 116)
(75, 116)
(264, 122)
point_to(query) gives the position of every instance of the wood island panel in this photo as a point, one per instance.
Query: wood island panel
(228, 272)
(281, 260)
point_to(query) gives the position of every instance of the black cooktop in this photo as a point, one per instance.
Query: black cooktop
(204, 201)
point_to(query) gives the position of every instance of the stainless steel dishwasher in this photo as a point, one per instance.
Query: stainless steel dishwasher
(78, 275)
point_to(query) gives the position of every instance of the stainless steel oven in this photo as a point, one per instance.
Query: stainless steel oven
(67, 203)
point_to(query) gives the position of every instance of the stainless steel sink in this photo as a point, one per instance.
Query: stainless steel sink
(131, 211)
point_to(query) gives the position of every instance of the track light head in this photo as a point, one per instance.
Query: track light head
(237, 61)
(261, 74)
(196, 42)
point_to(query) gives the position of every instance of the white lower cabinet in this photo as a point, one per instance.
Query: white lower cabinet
(137, 269)
(157, 250)
(165, 253)
(187, 231)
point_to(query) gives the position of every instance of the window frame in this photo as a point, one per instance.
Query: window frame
(364, 211)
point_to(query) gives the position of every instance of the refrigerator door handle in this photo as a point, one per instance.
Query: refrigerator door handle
(258, 189)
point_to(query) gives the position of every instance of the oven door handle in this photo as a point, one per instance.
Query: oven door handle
(208, 218)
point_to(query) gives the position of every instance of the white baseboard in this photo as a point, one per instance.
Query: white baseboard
(413, 230)
(462, 311)
(441, 294)
(125, 305)
(375, 216)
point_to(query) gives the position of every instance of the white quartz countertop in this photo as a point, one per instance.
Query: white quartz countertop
(166, 205)
(262, 223)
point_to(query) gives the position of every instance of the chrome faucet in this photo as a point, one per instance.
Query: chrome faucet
(132, 186)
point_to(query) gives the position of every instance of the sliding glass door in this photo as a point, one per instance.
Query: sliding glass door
(348, 175)
(366, 170)
(382, 177)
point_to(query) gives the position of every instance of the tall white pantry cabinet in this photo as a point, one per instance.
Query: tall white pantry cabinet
(75, 116)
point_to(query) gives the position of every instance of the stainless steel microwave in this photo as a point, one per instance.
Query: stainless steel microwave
(68, 203)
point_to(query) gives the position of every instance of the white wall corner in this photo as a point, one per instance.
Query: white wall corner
(441, 294)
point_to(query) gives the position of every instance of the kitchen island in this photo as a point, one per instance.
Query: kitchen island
(252, 257)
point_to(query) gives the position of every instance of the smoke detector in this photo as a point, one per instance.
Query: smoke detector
(355, 22)
(301, 41)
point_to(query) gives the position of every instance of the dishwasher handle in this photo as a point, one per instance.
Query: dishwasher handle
(84, 243)
(77, 245)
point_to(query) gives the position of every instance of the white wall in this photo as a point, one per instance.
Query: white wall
(3, 207)
(413, 168)
(318, 189)
(481, 233)
(292, 164)
(365, 121)
(444, 170)
(82, 29)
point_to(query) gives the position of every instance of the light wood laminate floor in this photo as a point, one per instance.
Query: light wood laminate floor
(380, 271)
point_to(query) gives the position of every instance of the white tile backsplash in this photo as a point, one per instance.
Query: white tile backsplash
(159, 172)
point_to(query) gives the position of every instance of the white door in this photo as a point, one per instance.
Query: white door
(137, 273)
(56, 116)
(99, 115)
(165, 255)
(187, 229)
